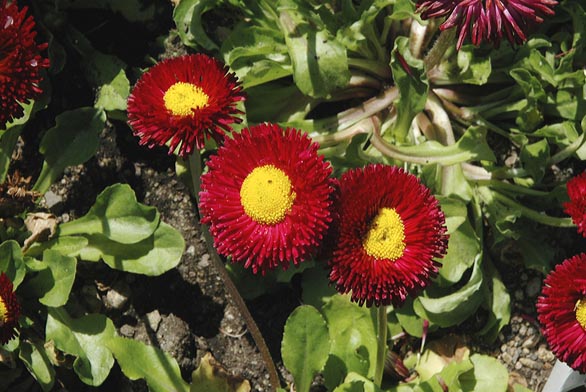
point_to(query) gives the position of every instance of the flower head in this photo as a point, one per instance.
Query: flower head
(20, 61)
(267, 198)
(488, 19)
(391, 228)
(9, 310)
(576, 207)
(184, 101)
(561, 310)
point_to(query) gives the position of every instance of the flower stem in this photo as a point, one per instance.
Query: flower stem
(381, 312)
(439, 49)
(532, 214)
(195, 170)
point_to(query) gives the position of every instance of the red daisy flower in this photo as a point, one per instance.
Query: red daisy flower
(184, 101)
(488, 19)
(267, 198)
(561, 310)
(391, 228)
(9, 310)
(576, 207)
(20, 61)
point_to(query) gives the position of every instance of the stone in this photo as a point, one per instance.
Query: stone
(154, 319)
(117, 296)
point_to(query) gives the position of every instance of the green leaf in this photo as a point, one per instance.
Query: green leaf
(315, 289)
(305, 345)
(355, 382)
(85, 338)
(116, 215)
(455, 212)
(35, 358)
(257, 54)
(9, 137)
(287, 103)
(72, 141)
(499, 303)
(411, 79)
(113, 95)
(137, 360)
(65, 245)
(536, 252)
(53, 284)
(534, 158)
(12, 262)
(353, 340)
(470, 66)
(488, 375)
(463, 249)
(472, 146)
(152, 256)
(320, 63)
(453, 307)
(188, 19)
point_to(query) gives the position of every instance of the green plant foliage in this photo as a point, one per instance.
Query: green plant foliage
(73, 140)
(354, 382)
(353, 340)
(117, 216)
(305, 346)
(319, 61)
(412, 83)
(488, 375)
(152, 256)
(38, 363)
(499, 303)
(57, 279)
(452, 308)
(12, 262)
(138, 360)
(87, 339)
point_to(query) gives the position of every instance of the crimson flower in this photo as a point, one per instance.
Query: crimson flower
(488, 20)
(561, 310)
(576, 207)
(267, 197)
(390, 230)
(20, 61)
(184, 101)
(9, 310)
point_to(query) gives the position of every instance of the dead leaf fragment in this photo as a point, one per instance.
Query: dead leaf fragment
(42, 226)
(212, 376)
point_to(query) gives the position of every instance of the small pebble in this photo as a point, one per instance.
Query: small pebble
(518, 365)
(205, 261)
(51, 199)
(529, 343)
(523, 330)
(506, 358)
(117, 296)
(154, 319)
(529, 363)
(127, 330)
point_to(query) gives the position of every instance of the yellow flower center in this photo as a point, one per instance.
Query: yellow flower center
(181, 98)
(580, 309)
(266, 195)
(3, 312)
(386, 237)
